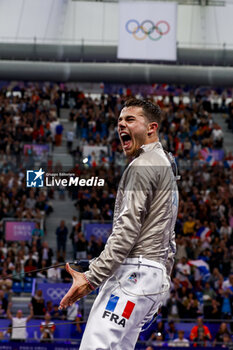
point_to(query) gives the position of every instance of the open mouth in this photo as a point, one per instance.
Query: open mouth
(126, 140)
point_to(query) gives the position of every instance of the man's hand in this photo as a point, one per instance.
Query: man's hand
(79, 288)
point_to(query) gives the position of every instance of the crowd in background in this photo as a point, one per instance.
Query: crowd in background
(205, 219)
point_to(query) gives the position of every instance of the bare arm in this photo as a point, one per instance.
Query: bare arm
(31, 313)
(8, 312)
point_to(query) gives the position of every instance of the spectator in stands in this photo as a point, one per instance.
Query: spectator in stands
(35, 253)
(65, 276)
(217, 136)
(170, 331)
(225, 230)
(92, 248)
(38, 303)
(223, 329)
(181, 247)
(208, 295)
(44, 273)
(226, 303)
(78, 330)
(30, 201)
(19, 323)
(46, 253)
(2, 311)
(37, 235)
(3, 303)
(230, 288)
(43, 205)
(30, 265)
(107, 213)
(180, 341)
(189, 226)
(191, 306)
(58, 135)
(5, 282)
(200, 334)
(61, 233)
(227, 283)
(183, 271)
(96, 213)
(158, 334)
(216, 279)
(100, 245)
(87, 213)
(214, 312)
(49, 307)
(18, 273)
(81, 245)
(75, 228)
(56, 313)
(227, 341)
(54, 274)
(3, 337)
(173, 305)
(47, 329)
(69, 140)
(157, 339)
(72, 312)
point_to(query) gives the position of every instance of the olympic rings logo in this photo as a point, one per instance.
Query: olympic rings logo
(147, 29)
(56, 293)
(100, 231)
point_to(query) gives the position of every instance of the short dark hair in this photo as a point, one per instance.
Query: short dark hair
(152, 112)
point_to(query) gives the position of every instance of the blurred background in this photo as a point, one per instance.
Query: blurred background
(66, 68)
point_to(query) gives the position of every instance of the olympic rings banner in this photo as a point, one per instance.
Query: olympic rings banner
(98, 230)
(147, 30)
(53, 291)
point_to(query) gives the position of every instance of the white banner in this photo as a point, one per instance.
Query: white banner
(147, 30)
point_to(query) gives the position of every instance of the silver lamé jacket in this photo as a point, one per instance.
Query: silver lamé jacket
(144, 216)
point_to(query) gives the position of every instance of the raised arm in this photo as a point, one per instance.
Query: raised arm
(8, 312)
(31, 313)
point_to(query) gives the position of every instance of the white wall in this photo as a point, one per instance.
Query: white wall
(93, 22)
(97, 23)
(23, 20)
(210, 26)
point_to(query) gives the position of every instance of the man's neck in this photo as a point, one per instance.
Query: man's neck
(151, 140)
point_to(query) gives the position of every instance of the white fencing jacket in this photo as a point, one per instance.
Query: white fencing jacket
(144, 216)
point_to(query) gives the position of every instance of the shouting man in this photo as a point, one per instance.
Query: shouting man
(134, 268)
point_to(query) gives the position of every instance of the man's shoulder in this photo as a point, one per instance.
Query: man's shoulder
(152, 157)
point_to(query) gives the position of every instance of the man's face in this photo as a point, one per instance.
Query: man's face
(19, 314)
(47, 317)
(181, 334)
(132, 129)
(183, 260)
